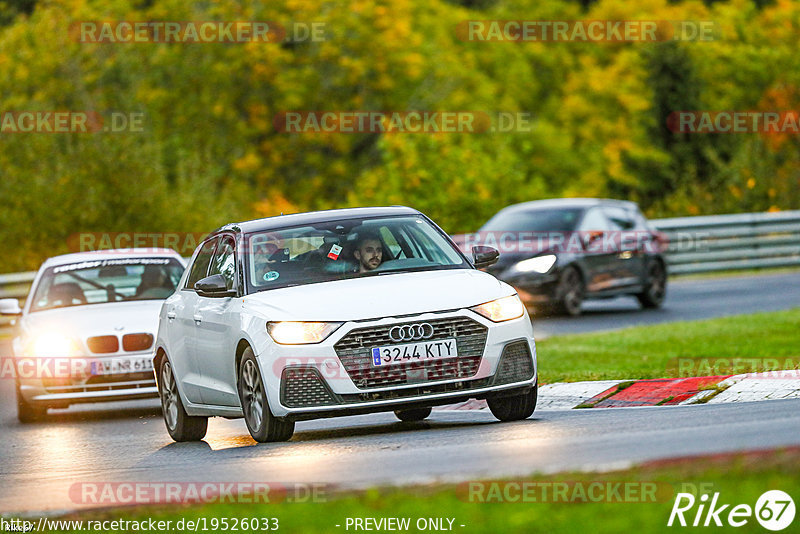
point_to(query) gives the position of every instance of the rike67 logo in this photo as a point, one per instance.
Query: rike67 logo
(774, 510)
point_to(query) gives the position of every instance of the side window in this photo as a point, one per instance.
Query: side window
(619, 217)
(595, 221)
(391, 242)
(200, 266)
(224, 261)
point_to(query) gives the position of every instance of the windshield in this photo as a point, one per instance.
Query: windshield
(535, 220)
(111, 280)
(350, 248)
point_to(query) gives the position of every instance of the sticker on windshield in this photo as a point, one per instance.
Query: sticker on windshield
(269, 276)
(335, 251)
(91, 264)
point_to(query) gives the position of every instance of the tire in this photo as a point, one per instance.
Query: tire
(414, 414)
(263, 426)
(180, 425)
(27, 412)
(569, 293)
(514, 408)
(655, 286)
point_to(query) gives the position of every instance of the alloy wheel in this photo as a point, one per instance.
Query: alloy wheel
(252, 392)
(169, 396)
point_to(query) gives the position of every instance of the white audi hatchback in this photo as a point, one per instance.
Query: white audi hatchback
(87, 329)
(335, 313)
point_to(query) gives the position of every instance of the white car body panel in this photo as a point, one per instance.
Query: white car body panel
(82, 322)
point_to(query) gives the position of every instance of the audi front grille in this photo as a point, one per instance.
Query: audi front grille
(355, 352)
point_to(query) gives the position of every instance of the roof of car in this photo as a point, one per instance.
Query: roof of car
(570, 203)
(94, 255)
(314, 217)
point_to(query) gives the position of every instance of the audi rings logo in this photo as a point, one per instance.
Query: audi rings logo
(410, 332)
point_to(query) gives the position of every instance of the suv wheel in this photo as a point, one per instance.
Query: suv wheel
(514, 408)
(263, 426)
(414, 414)
(569, 293)
(655, 288)
(180, 425)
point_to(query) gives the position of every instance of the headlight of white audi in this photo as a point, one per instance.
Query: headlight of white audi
(539, 264)
(500, 310)
(53, 346)
(300, 333)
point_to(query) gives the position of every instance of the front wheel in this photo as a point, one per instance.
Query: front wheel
(263, 426)
(27, 412)
(514, 408)
(655, 287)
(180, 425)
(414, 414)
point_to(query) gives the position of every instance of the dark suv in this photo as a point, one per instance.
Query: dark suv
(557, 253)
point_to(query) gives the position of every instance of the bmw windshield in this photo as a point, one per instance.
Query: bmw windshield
(336, 250)
(111, 280)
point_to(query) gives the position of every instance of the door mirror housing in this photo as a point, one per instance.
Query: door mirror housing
(483, 256)
(591, 236)
(10, 307)
(214, 286)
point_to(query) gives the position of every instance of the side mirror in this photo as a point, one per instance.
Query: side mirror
(10, 307)
(214, 286)
(591, 236)
(483, 256)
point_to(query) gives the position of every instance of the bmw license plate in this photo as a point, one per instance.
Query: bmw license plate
(441, 349)
(113, 366)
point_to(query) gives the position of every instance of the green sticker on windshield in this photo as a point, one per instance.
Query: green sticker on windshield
(269, 276)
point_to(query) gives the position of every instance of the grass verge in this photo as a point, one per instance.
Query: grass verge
(738, 478)
(658, 351)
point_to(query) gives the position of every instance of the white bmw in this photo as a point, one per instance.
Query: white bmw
(86, 332)
(337, 313)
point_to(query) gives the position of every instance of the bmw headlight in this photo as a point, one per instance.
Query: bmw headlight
(53, 346)
(300, 333)
(539, 264)
(500, 310)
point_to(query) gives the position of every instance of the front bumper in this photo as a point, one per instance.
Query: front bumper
(324, 380)
(58, 384)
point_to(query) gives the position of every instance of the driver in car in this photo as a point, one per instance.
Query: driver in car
(368, 251)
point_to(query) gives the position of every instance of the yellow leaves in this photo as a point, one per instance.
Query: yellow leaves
(273, 204)
(751, 183)
(248, 162)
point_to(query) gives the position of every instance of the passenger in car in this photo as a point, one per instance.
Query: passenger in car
(155, 283)
(369, 251)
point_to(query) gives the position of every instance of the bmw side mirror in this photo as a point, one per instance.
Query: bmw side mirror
(214, 286)
(483, 256)
(10, 307)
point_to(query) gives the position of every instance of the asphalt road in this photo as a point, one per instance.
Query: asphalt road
(687, 300)
(127, 442)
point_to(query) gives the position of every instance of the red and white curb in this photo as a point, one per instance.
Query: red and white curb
(660, 392)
